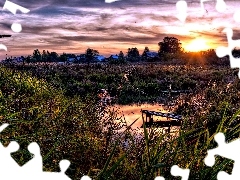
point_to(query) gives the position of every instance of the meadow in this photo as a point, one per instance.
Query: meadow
(58, 106)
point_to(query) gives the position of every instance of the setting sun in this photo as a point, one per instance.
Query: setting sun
(197, 45)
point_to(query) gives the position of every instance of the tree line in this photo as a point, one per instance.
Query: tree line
(170, 48)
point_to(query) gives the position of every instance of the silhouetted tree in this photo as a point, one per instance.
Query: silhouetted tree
(121, 58)
(211, 57)
(53, 56)
(169, 45)
(48, 59)
(44, 56)
(63, 57)
(133, 54)
(37, 55)
(28, 59)
(121, 55)
(144, 54)
(90, 55)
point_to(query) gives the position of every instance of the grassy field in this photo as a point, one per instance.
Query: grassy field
(131, 83)
(58, 107)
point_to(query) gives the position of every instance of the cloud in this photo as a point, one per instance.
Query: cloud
(32, 4)
(29, 4)
(77, 24)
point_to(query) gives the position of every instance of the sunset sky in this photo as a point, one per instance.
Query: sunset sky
(72, 26)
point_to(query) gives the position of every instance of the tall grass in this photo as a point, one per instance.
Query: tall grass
(84, 132)
(130, 83)
(71, 128)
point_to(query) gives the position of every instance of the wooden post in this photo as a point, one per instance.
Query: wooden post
(151, 119)
(142, 118)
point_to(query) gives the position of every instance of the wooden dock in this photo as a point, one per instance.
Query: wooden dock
(172, 119)
(174, 93)
(177, 91)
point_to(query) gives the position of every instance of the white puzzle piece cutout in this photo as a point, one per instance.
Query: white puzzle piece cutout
(159, 178)
(223, 51)
(227, 150)
(220, 6)
(12, 7)
(9, 169)
(236, 16)
(2, 46)
(182, 10)
(111, 1)
(177, 171)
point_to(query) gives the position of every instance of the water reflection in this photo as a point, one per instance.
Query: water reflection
(132, 112)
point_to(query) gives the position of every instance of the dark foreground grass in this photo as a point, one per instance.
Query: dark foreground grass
(84, 132)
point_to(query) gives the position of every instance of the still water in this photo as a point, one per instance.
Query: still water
(132, 112)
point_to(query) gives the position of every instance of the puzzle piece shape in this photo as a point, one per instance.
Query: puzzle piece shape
(86, 178)
(9, 165)
(177, 171)
(223, 51)
(111, 1)
(8, 162)
(16, 27)
(3, 126)
(227, 150)
(13, 8)
(220, 6)
(64, 164)
(159, 178)
(33, 168)
(29, 175)
(181, 6)
(236, 16)
(182, 10)
(35, 164)
(2, 46)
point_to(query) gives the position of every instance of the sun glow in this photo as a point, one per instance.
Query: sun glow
(197, 45)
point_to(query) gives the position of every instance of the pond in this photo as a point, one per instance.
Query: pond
(132, 112)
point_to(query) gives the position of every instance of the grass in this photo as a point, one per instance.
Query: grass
(131, 83)
(84, 132)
